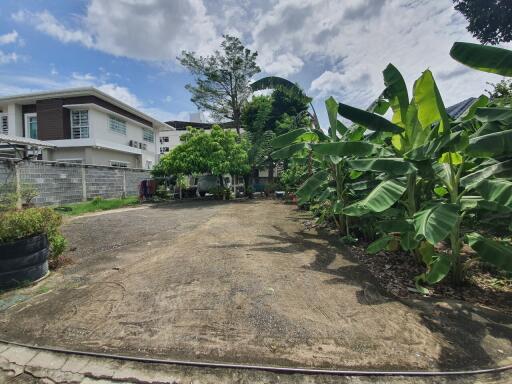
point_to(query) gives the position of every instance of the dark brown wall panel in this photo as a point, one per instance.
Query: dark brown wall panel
(29, 108)
(50, 120)
(66, 124)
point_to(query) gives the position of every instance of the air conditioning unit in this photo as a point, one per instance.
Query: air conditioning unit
(144, 146)
(135, 144)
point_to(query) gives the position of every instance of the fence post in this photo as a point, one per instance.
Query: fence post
(17, 184)
(84, 183)
(124, 183)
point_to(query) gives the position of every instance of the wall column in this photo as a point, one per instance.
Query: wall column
(84, 184)
(17, 181)
(124, 183)
(15, 120)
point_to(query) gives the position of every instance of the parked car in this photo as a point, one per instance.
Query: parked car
(208, 182)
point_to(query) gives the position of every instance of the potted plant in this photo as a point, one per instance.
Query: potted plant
(27, 239)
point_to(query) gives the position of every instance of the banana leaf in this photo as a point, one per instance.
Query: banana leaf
(484, 58)
(379, 244)
(396, 93)
(491, 145)
(311, 185)
(392, 166)
(368, 120)
(429, 103)
(346, 148)
(434, 148)
(288, 138)
(498, 253)
(492, 114)
(498, 191)
(381, 198)
(436, 222)
(471, 180)
(288, 151)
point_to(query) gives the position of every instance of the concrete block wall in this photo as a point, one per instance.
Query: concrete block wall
(133, 180)
(63, 183)
(56, 183)
(7, 177)
(104, 182)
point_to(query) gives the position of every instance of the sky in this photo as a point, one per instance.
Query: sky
(128, 48)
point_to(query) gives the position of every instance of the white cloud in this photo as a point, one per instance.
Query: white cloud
(153, 30)
(282, 65)
(9, 38)
(47, 23)
(121, 93)
(6, 58)
(83, 76)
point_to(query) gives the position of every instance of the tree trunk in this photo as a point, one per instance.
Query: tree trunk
(271, 172)
(237, 122)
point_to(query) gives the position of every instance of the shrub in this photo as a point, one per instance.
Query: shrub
(8, 196)
(220, 193)
(16, 225)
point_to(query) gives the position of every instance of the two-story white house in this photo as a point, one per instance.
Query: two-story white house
(84, 125)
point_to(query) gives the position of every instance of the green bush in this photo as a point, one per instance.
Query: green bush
(220, 193)
(16, 225)
(8, 196)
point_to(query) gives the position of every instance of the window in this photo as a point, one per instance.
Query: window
(31, 125)
(72, 161)
(119, 164)
(147, 135)
(80, 124)
(117, 125)
(149, 164)
(164, 139)
(4, 124)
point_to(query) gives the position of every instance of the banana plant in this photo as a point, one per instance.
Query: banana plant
(433, 147)
(331, 154)
(414, 123)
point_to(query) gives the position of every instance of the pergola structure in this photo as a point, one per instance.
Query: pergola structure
(22, 147)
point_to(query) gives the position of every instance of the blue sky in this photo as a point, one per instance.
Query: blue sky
(127, 48)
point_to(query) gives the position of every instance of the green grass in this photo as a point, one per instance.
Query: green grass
(96, 205)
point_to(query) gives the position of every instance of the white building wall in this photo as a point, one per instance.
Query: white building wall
(99, 127)
(15, 120)
(173, 139)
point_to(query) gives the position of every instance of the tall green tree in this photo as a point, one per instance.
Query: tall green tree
(218, 153)
(222, 79)
(264, 118)
(489, 20)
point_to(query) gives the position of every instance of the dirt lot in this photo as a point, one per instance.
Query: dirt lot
(240, 282)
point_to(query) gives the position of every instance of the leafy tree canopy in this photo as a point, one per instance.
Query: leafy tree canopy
(218, 152)
(222, 79)
(501, 92)
(489, 20)
(265, 117)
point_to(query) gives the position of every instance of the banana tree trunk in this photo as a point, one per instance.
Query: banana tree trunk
(339, 177)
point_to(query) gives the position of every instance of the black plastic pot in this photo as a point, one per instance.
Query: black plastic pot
(23, 261)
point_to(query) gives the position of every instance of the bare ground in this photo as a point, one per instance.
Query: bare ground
(240, 282)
